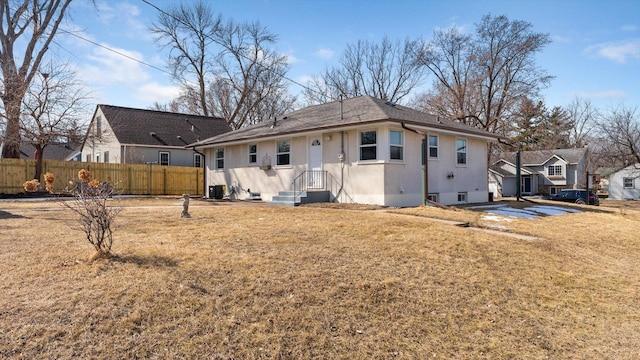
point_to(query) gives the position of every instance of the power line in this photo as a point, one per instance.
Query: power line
(115, 51)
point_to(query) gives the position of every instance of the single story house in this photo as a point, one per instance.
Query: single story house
(361, 150)
(624, 184)
(141, 136)
(542, 172)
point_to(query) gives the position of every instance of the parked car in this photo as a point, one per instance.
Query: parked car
(576, 196)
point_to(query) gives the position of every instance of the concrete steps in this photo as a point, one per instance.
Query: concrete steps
(287, 198)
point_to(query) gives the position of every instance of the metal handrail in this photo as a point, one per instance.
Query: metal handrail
(320, 180)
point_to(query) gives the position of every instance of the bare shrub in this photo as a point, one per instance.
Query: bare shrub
(96, 218)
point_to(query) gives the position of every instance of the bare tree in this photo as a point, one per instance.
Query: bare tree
(620, 128)
(584, 117)
(225, 68)
(31, 25)
(481, 79)
(190, 33)
(250, 85)
(53, 109)
(386, 70)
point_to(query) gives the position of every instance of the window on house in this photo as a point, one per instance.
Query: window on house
(555, 170)
(98, 157)
(553, 190)
(283, 152)
(106, 156)
(461, 151)
(396, 147)
(368, 145)
(253, 154)
(628, 183)
(433, 147)
(88, 158)
(219, 159)
(433, 197)
(197, 160)
(98, 125)
(462, 197)
(163, 158)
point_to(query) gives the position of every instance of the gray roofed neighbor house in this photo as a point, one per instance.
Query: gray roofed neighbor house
(539, 157)
(160, 128)
(357, 110)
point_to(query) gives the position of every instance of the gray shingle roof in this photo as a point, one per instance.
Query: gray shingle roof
(53, 151)
(357, 110)
(538, 157)
(136, 126)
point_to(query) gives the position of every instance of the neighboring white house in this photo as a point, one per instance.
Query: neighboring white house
(542, 172)
(138, 136)
(361, 150)
(624, 184)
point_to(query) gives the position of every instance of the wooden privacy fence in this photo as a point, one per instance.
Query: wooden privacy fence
(127, 179)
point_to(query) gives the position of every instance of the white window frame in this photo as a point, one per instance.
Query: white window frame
(625, 185)
(98, 157)
(554, 190)
(373, 145)
(281, 153)
(252, 158)
(436, 147)
(197, 160)
(462, 197)
(160, 162)
(463, 152)
(557, 170)
(433, 197)
(218, 158)
(106, 157)
(399, 146)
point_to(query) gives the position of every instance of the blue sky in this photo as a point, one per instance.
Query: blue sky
(595, 53)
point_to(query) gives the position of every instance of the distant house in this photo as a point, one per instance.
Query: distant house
(624, 184)
(139, 136)
(66, 151)
(363, 150)
(543, 172)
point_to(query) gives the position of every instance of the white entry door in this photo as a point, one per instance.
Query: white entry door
(316, 175)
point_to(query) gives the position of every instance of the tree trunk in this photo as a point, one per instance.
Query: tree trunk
(39, 159)
(11, 148)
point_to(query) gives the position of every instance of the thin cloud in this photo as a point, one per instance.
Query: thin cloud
(324, 53)
(123, 16)
(107, 68)
(619, 51)
(629, 28)
(291, 59)
(561, 39)
(154, 92)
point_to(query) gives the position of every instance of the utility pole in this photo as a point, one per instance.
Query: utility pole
(518, 175)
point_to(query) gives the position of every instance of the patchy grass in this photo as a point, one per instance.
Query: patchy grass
(308, 282)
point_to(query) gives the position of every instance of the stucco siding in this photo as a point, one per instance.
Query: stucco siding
(380, 181)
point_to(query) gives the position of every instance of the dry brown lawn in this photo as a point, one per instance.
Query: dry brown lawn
(243, 281)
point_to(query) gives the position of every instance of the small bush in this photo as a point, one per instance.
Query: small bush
(95, 217)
